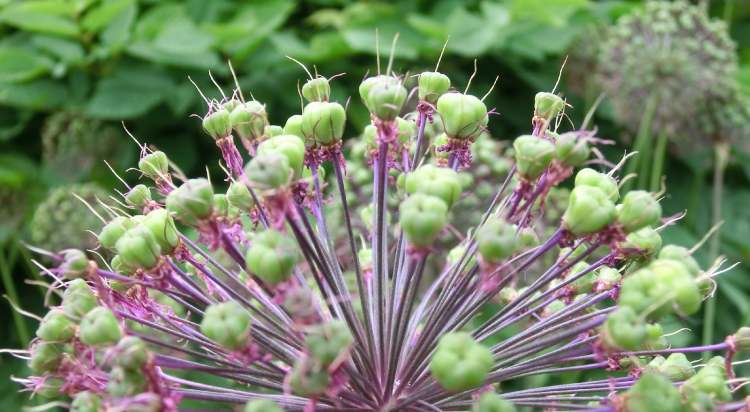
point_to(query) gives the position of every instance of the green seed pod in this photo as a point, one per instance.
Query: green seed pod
(638, 209)
(422, 218)
(138, 196)
(50, 388)
(533, 155)
(138, 248)
(441, 182)
(99, 328)
(227, 324)
(262, 405)
(218, 124)
(585, 283)
(56, 327)
(249, 120)
(74, 265)
(269, 171)
(272, 256)
(131, 353)
(681, 254)
(316, 90)
(646, 240)
(677, 367)
(432, 85)
(460, 362)
(307, 380)
(272, 130)
(571, 150)
(464, 116)
(46, 356)
(323, 123)
(607, 278)
(222, 207)
(492, 402)
(589, 211)
(78, 299)
(113, 231)
(678, 283)
(293, 126)
(239, 196)
(548, 105)
(653, 392)
(125, 382)
(742, 339)
(120, 267)
(288, 145)
(386, 98)
(86, 402)
(624, 330)
(496, 240)
(161, 225)
(327, 342)
(604, 182)
(192, 201)
(711, 379)
(230, 104)
(154, 165)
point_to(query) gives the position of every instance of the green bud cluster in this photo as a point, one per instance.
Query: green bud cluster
(228, 324)
(460, 362)
(249, 120)
(464, 116)
(272, 257)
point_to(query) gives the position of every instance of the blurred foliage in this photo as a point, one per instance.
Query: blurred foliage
(72, 70)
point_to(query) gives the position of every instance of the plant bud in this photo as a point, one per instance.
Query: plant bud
(131, 353)
(604, 182)
(547, 105)
(227, 324)
(638, 209)
(56, 327)
(589, 211)
(441, 182)
(272, 256)
(138, 248)
(74, 265)
(533, 155)
(293, 126)
(677, 367)
(78, 299)
(161, 225)
(268, 171)
(262, 405)
(496, 240)
(113, 231)
(646, 240)
(460, 362)
(624, 330)
(384, 96)
(681, 254)
(154, 165)
(432, 85)
(272, 130)
(288, 145)
(86, 402)
(742, 339)
(138, 196)
(125, 382)
(677, 282)
(571, 150)
(653, 392)
(464, 116)
(422, 218)
(307, 380)
(46, 356)
(239, 196)
(218, 124)
(711, 379)
(323, 123)
(192, 201)
(99, 328)
(327, 342)
(249, 120)
(492, 402)
(316, 90)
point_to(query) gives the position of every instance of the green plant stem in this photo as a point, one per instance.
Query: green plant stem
(721, 158)
(10, 290)
(641, 142)
(659, 155)
(696, 193)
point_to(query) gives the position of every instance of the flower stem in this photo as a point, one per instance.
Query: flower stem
(12, 294)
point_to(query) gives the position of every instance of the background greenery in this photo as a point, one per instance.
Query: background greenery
(71, 71)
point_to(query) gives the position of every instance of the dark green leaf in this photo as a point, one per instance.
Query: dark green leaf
(129, 92)
(19, 65)
(52, 17)
(39, 94)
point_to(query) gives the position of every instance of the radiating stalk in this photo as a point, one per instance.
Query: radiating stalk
(660, 154)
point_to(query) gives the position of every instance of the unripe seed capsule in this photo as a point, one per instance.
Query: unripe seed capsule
(492, 402)
(86, 402)
(78, 299)
(239, 196)
(113, 231)
(464, 116)
(74, 265)
(272, 256)
(99, 328)
(270, 170)
(589, 210)
(646, 240)
(547, 105)
(56, 327)
(533, 155)
(384, 96)
(131, 353)
(496, 240)
(653, 392)
(138, 196)
(440, 182)
(605, 183)
(138, 248)
(161, 225)
(154, 165)
(288, 145)
(124, 382)
(272, 130)
(460, 362)
(638, 209)
(228, 324)
(192, 201)
(677, 367)
(218, 124)
(249, 120)
(624, 329)
(46, 356)
(681, 254)
(422, 218)
(293, 126)
(323, 123)
(307, 380)
(432, 85)
(571, 150)
(327, 342)
(316, 90)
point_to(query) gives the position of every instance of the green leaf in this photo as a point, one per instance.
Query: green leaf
(553, 12)
(52, 17)
(67, 51)
(19, 65)
(364, 18)
(39, 94)
(104, 14)
(130, 92)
